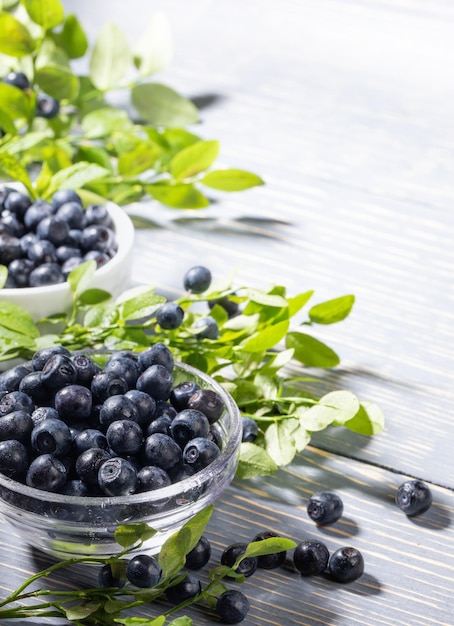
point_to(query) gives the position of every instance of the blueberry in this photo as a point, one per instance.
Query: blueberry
(125, 367)
(187, 425)
(17, 79)
(117, 477)
(46, 274)
(26, 241)
(106, 578)
(98, 214)
(197, 279)
(200, 452)
(35, 213)
(89, 438)
(70, 264)
(325, 507)
(208, 326)
(58, 371)
(231, 554)
(162, 451)
(100, 258)
(46, 472)
(230, 306)
(62, 196)
(16, 425)
(151, 477)
(117, 407)
(53, 229)
(170, 316)
(46, 106)
(51, 436)
(43, 412)
(311, 557)
(4, 193)
(157, 381)
(10, 379)
(145, 405)
(16, 401)
(10, 249)
(20, 270)
(165, 409)
(88, 464)
(200, 554)
(189, 587)
(107, 384)
(179, 472)
(72, 213)
(413, 497)
(346, 564)
(269, 561)
(13, 459)
(40, 357)
(11, 225)
(33, 386)
(157, 354)
(42, 251)
(209, 402)
(64, 253)
(124, 436)
(86, 369)
(181, 393)
(143, 571)
(250, 429)
(75, 488)
(73, 402)
(159, 425)
(97, 237)
(232, 606)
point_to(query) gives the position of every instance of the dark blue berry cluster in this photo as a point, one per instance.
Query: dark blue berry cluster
(41, 242)
(68, 425)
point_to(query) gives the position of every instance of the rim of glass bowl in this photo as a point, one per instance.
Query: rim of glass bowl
(228, 452)
(124, 234)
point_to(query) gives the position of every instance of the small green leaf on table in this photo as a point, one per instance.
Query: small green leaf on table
(231, 180)
(254, 460)
(369, 420)
(332, 311)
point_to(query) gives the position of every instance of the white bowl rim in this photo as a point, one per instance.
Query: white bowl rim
(227, 453)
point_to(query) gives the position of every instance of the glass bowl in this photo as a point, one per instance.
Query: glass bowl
(114, 276)
(70, 526)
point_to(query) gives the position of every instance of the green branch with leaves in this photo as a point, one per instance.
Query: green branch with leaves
(141, 150)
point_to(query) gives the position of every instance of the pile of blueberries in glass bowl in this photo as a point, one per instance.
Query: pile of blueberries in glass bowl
(42, 241)
(89, 441)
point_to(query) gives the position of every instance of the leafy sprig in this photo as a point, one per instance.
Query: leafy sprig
(124, 153)
(105, 606)
(253, 357)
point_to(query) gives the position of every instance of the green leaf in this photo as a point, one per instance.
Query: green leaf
(154, 49)
(268, 546)
(140, 159)
(75, 176)
(174, 550)
(7, 124)
(15, 102)
(46, 13)
(335, 407)
(72, 38)
(162, 106)
(43, 179)
(11, 167)
(17, 319)
(332, 311)
(81, 276)
(89, 297)
(231, 180)
(254, 461)
(267, 338)
(141, 621)
(138, 302)
(183, 196)
(57, 81)
(261, 297)
(104, 122)
(369, 420)
(24, 142)
(281, 448)
(127, 535)
(194, 159)
(81, 611)
(110, 58)
(297, 302)
(311, 351)
(184, 620)
(15, 39)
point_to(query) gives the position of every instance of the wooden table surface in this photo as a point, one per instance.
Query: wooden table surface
(345, 108)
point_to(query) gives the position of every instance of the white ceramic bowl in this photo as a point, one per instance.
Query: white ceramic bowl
(113, 277)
